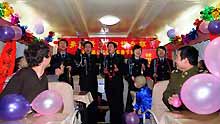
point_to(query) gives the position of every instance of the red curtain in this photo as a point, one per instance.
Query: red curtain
(7, 60)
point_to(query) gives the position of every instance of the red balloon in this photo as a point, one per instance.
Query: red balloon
(213, 36)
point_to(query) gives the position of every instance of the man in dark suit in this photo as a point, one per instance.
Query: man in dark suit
(62, 63)
(161, 67)
(113, 71)
(88, 69)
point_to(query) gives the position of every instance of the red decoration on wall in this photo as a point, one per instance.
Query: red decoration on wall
(7, 60)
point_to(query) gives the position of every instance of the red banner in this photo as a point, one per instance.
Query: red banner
(125, 45)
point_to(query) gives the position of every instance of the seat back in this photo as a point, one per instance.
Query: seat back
(66, 92)
(158, 107)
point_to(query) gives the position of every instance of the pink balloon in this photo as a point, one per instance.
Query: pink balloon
(200, 94)
(212, 56)
(18, 32)
(47, 102)
(203, 27)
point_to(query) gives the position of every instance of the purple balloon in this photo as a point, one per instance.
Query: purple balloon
(212, 57)
(171, 33)
(132, 118)
(13, 107)
(6, 33)
(214, 27)
(47, 102)
(39, 28)
(200, 94)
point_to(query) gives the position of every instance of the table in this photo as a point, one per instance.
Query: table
(187, 117)
(57, 118)
(83, 99)
(83, 96)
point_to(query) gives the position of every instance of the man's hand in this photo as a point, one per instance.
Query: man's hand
(175, 100)
(105, 71)
(59, 71)
(143, 67)
(132, 77)
(69, 68)
(116, 68)
(155, 75)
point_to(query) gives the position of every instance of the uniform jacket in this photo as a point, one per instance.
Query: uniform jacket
(175, 84)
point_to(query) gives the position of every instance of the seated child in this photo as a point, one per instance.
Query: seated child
(142, 98)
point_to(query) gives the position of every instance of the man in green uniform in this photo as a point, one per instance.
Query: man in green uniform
(186, 62)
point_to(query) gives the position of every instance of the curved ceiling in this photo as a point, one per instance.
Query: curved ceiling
(139, 18)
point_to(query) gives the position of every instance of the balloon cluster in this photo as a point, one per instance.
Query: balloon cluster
(17, 32)
(185, 39)
(199, 92)
(15, 106)
(212, 15)
(7, 11)
(209, 24)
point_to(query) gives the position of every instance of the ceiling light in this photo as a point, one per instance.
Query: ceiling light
(104, 30)
(109, 20)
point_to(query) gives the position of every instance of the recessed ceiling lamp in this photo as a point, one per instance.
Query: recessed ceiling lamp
(109, 20)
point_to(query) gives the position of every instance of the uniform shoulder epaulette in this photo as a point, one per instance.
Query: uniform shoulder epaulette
(175, 71)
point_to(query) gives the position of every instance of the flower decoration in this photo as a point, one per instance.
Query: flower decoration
(8, 10)
(197, 23)
(1, 10)
(216, 13)
(178, 40)
(49, 38)
(15, 19)
(206, 14)
(193, 34)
